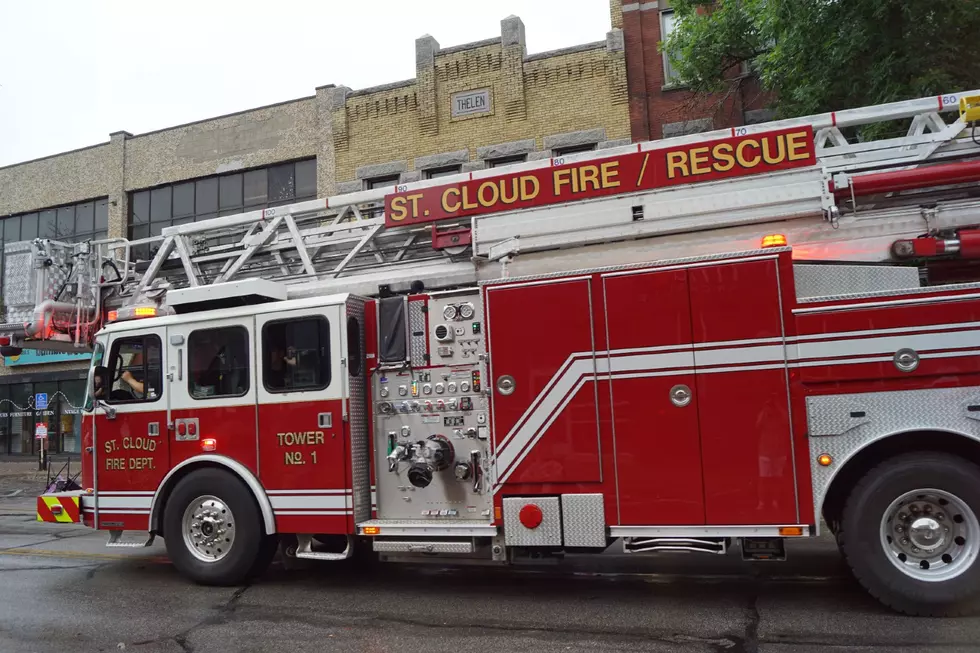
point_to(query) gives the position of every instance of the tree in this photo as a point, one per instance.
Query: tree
(826, 55)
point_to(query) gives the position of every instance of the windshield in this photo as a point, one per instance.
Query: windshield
(97, 356)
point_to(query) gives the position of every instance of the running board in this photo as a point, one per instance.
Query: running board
(304, 550)
(421, 546)
(116, 536)
(675, 544)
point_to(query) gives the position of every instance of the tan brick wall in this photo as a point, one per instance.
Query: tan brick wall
(70, 177)
(244, 140)
(561, 93)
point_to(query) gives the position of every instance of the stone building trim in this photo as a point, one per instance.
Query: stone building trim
(381, 169)
(470, 46)
(571, 139)
(510, 148)
(686, 127)
(619, 142)
(585, 47)
(441, 159)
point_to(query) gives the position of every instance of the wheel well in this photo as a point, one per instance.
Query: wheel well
(864, 460)
(160, 505)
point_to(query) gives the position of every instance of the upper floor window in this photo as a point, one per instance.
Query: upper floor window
(574, 149)
(135, 371)
(217, 360)
(506, 160)
(296, 354)
(444, 171)
(667, 25)
(191, 201)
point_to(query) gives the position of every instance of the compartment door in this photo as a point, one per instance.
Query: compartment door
(542, 378)
(654, 409)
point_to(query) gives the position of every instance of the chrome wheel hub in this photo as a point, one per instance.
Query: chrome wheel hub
(208, 528)
(930, 535)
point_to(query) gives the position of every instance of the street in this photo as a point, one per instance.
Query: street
(62, 590)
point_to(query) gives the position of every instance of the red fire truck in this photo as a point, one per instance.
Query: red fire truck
(729, 339)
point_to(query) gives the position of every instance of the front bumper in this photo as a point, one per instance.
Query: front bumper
(60, 507)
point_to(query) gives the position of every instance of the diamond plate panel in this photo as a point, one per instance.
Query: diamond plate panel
(886, 413)
(813, 281)
(417, 337)
(548, 532)
(583, 520)
(360, 454)
(422, 547)
(18, 282)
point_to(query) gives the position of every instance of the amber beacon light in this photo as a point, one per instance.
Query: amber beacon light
(773, 240)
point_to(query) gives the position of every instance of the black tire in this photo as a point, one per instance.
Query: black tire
(860, 534)
(268, 549)
(243, 557)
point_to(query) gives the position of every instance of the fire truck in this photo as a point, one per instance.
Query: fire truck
(726, 340)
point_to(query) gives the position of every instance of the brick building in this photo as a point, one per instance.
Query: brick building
(470, 106)
(659, 106)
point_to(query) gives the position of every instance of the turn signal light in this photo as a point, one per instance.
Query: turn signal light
(791, 531)
(209, 444)
(371, 530)
(113, 316)
(824, 460)
(774, 240)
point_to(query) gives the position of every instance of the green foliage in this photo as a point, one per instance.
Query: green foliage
(825, 55)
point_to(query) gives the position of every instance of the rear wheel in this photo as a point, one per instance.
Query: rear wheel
(213, 531)
(911, 534)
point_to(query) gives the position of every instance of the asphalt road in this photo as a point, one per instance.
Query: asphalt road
(61, 590)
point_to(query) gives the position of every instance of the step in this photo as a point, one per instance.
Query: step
(422, 546)
(115, 538)
(304, 550)
(674, 544)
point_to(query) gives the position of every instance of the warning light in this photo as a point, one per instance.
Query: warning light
(498, 514)
(145, 311)
(824, 460)
(774, 240)
(791, 531)
(209, 444)
(371, 530)
(113, 316)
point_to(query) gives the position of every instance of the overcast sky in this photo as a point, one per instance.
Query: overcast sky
(72, 71)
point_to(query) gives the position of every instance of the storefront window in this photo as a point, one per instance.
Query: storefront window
(4, 419)
(22, 418)
(70, 423)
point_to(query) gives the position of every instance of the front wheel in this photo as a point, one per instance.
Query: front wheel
(911, 535)
(212, 528)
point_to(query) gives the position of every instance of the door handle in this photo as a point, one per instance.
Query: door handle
(680, 395)
(505, 384)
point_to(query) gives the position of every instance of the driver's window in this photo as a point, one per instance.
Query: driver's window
(135, 370)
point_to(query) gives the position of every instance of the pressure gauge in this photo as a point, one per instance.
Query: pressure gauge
(449, 312)
(465, 311)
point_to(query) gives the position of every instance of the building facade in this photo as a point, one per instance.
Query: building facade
(660, 106)
(472, 106)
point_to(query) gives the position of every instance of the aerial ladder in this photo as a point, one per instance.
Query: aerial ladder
(909, 198)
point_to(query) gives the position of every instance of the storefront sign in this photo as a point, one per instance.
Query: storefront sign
(737, 156)
(468, 103)
(40, 357)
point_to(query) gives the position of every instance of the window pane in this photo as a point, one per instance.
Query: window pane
(72, 400)
(218, 362)
(21, 417)
(66, 222)
(506, 160)
(296, 355)
(306, 179)
(256, 187)
(445, 171)
(102, 214)
(207, 196)
(28, 226)
(11, 230)
(85, 218)
(47, 224)
(353, 346)
(160, 204)
(140, 252)
(141, 372)
(184, 200)
(381, 182)
(230, 192)
(282, 183)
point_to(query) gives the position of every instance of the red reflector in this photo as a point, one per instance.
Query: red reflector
(4, 341)
(192, 428)
(181, 429)
(531, 516)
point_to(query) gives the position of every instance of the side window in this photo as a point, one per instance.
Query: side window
(353, 346)
(296, 355)
(218, 362)
(135, 370)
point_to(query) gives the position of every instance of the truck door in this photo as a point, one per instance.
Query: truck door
(212, 391)
(131, 450)
(655, 414)
(302, 449)
(542, 367)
